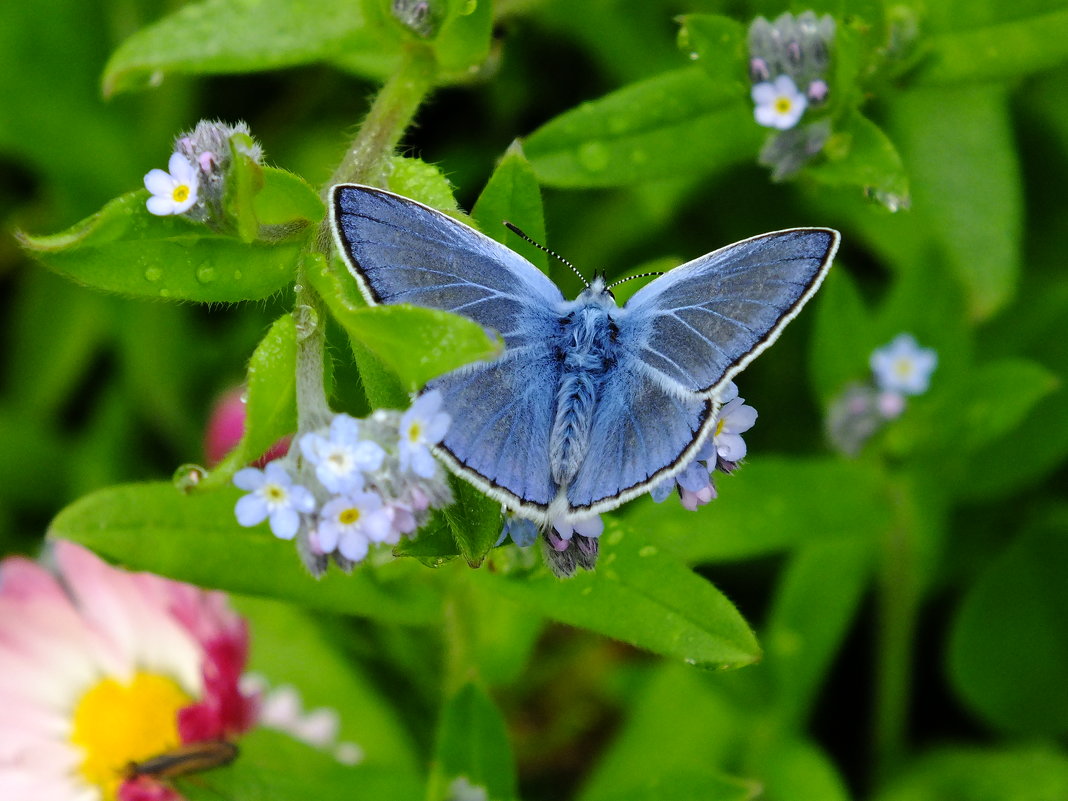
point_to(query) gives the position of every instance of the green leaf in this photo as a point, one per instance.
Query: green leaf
(1008, 649)
(286, 199)
(475, 520)
(1004, 49)
(512, 195)
(703, 784)
(859, 154)
(272, 766)
(270, 400)
(816, 600)
(228, 36)
(414, 343)
(990, 401)
(196, 538)
(771, 504)
(643, 596)
(974, 774)
(292, 647)
(464, 40)
(424, 182)
(719, 45)
(671, 125)
(243, 181)
(958, 147)
(799, 771)
(472, 743)
(678, 725)
(125, 249)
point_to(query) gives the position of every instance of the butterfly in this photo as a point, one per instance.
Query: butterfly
(590, 404)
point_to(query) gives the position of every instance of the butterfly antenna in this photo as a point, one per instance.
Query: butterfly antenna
(630, 278)
(515, 230)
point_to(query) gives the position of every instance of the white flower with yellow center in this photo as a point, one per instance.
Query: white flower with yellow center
(423, 425)
(903, 366)
(175, 191)
(272, 495)
(105, 668)
(342, 458)
(779, 104)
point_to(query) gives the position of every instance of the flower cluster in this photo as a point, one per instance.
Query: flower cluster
(195, 180)
(361, 482)
(899, 369)
(102, 668)
(789, 61)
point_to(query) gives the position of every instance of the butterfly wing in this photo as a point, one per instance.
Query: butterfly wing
(401, 251)
(680, 339)
(703, 322)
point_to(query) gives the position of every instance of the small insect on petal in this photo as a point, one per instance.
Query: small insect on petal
(185, 759)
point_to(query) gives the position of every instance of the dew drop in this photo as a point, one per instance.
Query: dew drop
(153, 274)
(594, 156)
(164, 293)
(307, 321)
(648, 550)
(694, 55)
(237, 275)
(187, 476)
(205, 273)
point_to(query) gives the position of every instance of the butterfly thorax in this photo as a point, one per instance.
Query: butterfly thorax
(585, 350)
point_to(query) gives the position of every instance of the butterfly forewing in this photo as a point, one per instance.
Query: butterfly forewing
(403, 252)
(701, 323)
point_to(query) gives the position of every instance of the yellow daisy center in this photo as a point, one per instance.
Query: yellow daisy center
(783, 105)
(349, 516)
(115, 724)
(180, 193)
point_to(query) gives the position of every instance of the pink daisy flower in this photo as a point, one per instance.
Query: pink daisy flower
(100, 668)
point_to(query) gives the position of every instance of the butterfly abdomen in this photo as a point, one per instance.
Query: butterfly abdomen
(585, 353)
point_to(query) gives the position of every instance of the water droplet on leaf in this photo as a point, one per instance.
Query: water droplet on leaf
(153, 274)
(187, 476)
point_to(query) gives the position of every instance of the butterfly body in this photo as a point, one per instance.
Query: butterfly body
(590, 404)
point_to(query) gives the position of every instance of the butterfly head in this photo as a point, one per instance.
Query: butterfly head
(597, 293)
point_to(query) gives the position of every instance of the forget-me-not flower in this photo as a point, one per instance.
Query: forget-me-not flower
(350, 523)
(778, 103)
(273, 495)
(423, 425)
(903, 366)
(342, 458)
(735, 418)
(174, 191)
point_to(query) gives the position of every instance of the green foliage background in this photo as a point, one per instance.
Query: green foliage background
(910, 604)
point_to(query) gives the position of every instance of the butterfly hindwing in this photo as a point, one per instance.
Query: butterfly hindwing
(401, 251)
(502, 413)
(701, 323)
(641, 433)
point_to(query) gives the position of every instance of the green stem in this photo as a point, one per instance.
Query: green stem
(898, 602)
(366, 161)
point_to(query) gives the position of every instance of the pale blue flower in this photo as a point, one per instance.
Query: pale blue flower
(342, 458)
(522, 532)
(422, 426)
(903, 366)
(735, 418)
(351, 522)
(273, 495)
(173, 192)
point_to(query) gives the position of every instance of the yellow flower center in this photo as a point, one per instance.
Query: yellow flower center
(274, 492)
(783, 105)
(903, 368)
(349, 516)
(414, 432)
(181, 193)
(719, 428)
(115, 724)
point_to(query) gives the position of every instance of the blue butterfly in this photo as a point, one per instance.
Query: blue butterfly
(590, 404)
